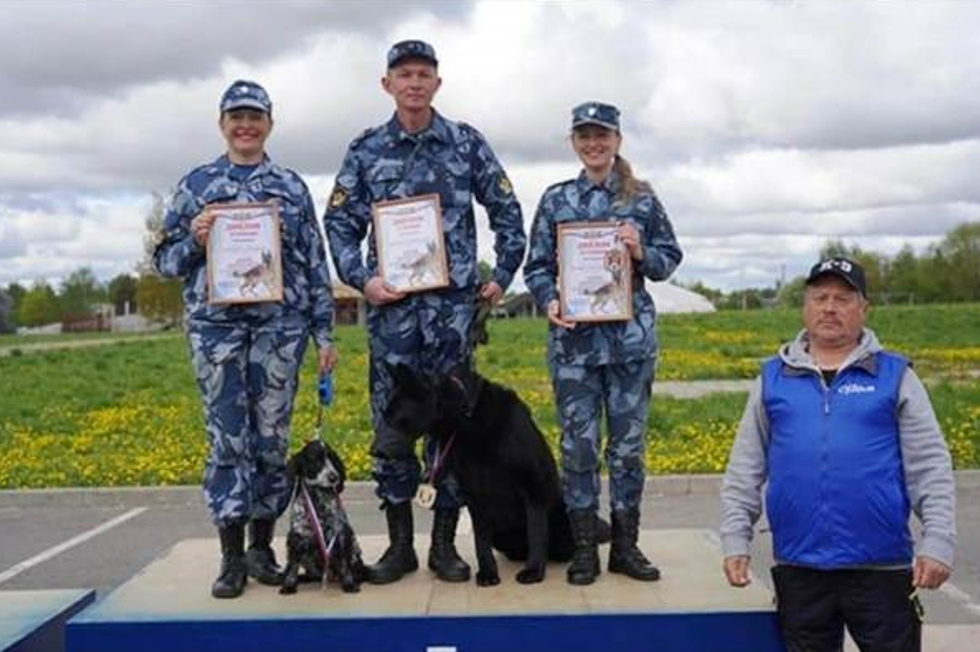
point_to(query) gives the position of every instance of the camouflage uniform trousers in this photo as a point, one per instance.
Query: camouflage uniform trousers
(429, 333)
(582, 392)
(248, 377)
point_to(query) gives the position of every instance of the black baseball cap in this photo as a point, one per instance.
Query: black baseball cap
(843, 268)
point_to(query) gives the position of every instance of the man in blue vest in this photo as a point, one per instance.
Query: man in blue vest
(845, 436)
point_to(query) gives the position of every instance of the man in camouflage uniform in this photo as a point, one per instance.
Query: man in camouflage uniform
(603, 365)
(247, 356)
(418, 152)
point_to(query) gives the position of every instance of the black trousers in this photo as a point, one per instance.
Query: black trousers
(876, 606)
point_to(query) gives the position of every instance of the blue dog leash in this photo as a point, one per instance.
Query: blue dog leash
(324, 390)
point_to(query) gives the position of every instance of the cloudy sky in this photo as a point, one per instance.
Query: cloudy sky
(766, 127)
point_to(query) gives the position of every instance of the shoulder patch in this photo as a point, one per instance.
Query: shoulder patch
(196, 180)
(503, 183)
(338, 197)
(555, 187)
(364, 135)
(467, 130)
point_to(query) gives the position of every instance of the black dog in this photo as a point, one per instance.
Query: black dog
(502, 461)
(317, 476)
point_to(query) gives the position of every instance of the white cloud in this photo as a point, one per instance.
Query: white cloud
(837, 75)
(780, 180)
(103, 233)
(767, 128)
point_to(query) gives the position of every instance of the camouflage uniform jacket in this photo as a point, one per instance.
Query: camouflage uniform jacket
(307, 297)
(448, 158)
(580, 200)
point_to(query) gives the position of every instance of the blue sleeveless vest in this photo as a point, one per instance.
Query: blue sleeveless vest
(836, 496)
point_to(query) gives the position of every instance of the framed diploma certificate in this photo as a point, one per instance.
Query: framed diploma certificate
(594, 273)
(244, 254)
(410, 245)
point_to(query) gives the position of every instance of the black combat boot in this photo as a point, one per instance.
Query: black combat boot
(231, 582)
(260, 560)
(400, 557)
(585, 561)
(624, 556)
(444, 560)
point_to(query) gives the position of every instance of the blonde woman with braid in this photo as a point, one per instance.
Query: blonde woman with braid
(603, 368)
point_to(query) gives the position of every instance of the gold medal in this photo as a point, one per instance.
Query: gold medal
(425, 497)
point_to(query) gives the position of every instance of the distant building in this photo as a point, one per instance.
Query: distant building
(135, 323)
(47, 329)
(516, 305)
(349, 307)
(100, 319)
(670, 298)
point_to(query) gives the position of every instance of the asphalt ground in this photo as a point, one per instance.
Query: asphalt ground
(97, 539)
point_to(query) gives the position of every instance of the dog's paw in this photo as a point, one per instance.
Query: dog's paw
(531, 575)
(487, 579)
(353, 587)
(287, 589)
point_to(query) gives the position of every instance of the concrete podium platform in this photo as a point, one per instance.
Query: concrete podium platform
(34, 621)
(168, 607)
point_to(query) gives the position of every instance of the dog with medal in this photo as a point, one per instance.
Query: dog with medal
(419, 153)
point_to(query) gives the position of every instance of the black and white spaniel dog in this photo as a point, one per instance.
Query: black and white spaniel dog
(321, 540)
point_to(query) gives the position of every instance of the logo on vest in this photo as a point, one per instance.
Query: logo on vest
(855, 388)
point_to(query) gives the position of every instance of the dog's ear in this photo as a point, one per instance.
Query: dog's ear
(337, 464)
(301, 461)
(462, 387)
(292, 474)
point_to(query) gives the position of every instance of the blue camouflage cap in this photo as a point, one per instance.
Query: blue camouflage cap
(596, 113)
(412, 49)
(245, 94)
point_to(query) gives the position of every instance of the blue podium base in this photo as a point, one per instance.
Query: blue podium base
(34, 621)
(168, 607)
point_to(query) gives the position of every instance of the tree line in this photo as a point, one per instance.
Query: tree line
(81, 295)
(946, 272)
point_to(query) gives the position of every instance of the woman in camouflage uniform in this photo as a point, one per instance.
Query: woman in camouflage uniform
(608, 366)
(247, 356)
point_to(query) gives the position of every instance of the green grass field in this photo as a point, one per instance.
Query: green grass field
(17, 341)
(128, 413)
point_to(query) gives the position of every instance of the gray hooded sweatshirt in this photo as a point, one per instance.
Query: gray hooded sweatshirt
(925, 459)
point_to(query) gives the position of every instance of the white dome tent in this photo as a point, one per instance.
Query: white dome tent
(672, 298)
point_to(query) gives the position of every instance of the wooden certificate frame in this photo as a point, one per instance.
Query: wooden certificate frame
(595, 273)
(410, 244)
(244, 254)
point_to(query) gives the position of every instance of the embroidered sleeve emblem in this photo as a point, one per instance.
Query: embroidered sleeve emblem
(338, 197)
